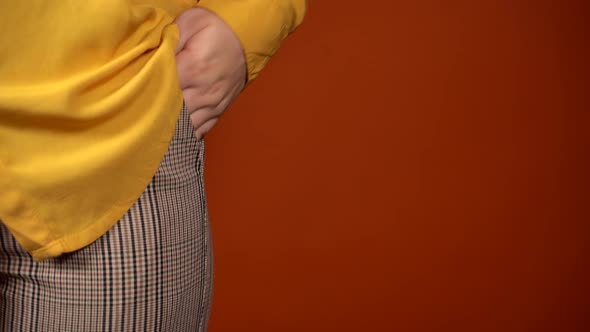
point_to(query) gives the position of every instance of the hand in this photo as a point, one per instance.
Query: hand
(211, 67)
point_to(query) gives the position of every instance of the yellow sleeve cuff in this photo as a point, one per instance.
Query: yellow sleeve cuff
(260, 25)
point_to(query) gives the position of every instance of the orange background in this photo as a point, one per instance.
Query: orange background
(409, 166)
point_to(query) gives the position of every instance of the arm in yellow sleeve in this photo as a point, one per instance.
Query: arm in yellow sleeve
(261, 25)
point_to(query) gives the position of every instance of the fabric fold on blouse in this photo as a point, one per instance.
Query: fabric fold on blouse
(89, 99)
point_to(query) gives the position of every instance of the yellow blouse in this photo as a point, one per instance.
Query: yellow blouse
(89, 99)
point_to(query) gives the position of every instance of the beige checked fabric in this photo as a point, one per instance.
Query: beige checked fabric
(152, 271)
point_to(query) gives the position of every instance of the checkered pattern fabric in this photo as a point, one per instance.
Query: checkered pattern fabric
(152, 271)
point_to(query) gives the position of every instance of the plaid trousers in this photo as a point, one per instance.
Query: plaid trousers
(152, 271)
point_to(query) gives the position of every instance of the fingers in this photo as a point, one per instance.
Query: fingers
(200, 117)
(198, 98)
(203, 119)
(218, 95)
(205, 128)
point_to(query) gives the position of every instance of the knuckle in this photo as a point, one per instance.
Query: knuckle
(217, 96)
(194, 121)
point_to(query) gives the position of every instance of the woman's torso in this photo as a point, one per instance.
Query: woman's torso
(88, 103)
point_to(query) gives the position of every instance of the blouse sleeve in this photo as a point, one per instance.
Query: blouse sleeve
(260, 25)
